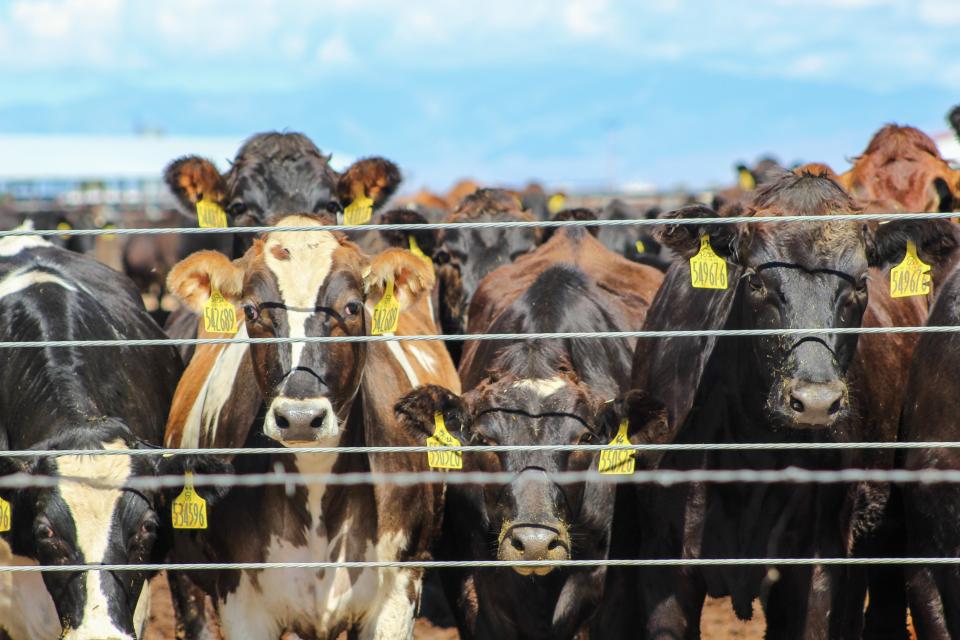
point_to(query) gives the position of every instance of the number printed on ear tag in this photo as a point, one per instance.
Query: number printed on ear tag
(189, 509)
(619, 461)
(386, 313)
(910, 277)
(359, 211)
(5, 516)
(707, 269)
(219, 316)
(443, 438)
(211, 215)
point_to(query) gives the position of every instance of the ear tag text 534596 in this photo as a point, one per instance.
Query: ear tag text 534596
(189, 509)
(211, 215)
(5, 516)
(359, 211)
(442, 438)
(219, 316)
(417, 251)
(910, 277)
(386, 313)
(707, 269)
(618, 461)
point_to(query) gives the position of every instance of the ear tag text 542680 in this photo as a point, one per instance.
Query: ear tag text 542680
(359, 211)
(219, 316)
(442, 438)
(618, 461)
(707, 269)
(211, 215)
(910, 277)
(417, 251)
(5, 516)
(386, 313)
(189, 509)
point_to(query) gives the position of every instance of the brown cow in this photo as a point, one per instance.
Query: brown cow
(298, 285)
(903, 164)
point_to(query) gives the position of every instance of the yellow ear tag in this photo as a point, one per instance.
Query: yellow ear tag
(747, 181)
(555, 203)
(909, 278)
(109, 236)
(211, 215)
(707, 269)
(619, 461)
(442, 438)
(359, 211)
(219, 316)
(189, 510)
(417, 251)
(386, 313)
(64, 226)
(640, 247)
(4, 515)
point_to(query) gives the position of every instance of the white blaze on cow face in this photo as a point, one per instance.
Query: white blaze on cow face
(92, 512)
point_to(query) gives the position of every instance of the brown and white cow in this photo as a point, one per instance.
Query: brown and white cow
(334, 394)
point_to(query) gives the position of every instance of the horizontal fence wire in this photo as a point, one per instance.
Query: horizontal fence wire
(659, 477)
(732, 333)
(452, 564)
(506, 224)
(498, 448)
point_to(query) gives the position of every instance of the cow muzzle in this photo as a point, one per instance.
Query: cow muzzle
(301, 419)
(815, 404)
(534, 541)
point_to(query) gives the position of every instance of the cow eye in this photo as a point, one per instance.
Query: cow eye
(353, 308)
(333, 207)
(251, 311)
(237, 208)
(586, 438)
(755, 282)
(862, 284)
(44, 531)
(441, 257)
(148, 527)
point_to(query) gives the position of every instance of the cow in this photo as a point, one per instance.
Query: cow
(465, 256)
(535, 393)
(818, 388)
(929, 416)
(301, 284)
(903, 164)
(78, 398)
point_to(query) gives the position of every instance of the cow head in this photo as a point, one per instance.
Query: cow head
(903, 164)
(276, 174)
(465, 256)
(802, 275)
(79, 522)
(304, 284)
(535, 517)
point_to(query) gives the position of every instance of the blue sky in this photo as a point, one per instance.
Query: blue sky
(575, 92)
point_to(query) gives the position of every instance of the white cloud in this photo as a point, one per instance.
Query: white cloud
(587, 18)
(336, 51)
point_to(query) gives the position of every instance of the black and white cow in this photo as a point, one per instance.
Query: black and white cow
(77, 398)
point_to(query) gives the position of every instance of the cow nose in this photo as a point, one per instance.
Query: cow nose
(816, 403)
(303, 419)
(533, 542)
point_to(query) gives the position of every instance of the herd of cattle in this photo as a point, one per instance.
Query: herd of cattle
(817, 388)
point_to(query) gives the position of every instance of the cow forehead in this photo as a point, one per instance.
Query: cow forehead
(300, 262)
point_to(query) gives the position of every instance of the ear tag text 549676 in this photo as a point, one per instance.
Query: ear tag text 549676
(219, 316)
(417, 251)
(5, 516)
(386, 313)
(211, 215)
(910, 277)
(618, 461)
(189, 509)
(442, 438)
(707, 269)
(359, 211)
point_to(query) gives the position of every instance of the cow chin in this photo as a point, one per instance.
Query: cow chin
(301, 420)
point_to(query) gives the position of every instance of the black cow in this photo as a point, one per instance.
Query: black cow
(78, 398)
(768, 389)
(543, 392)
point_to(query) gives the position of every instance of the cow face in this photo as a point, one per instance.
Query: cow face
(535, 517)
(466, 256)
(296, 285)
(275, 174)
(800, 275)
(79, 523)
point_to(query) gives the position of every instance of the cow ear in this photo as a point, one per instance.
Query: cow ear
(727, 240)
(417, 408)
(198, 465)
(412, 277)
(425, 240)
(647, 422)
(192, 179)
(193, 278)
(374, 178)
(936, 241)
